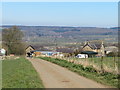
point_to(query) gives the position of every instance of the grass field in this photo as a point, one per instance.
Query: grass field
(19, 73)
(110, 64)
(89, 72)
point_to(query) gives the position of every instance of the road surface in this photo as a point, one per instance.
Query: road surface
(54, 76)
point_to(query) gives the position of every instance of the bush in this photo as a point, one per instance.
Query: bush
(111, 54)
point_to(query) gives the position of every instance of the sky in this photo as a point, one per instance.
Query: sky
(80, 14)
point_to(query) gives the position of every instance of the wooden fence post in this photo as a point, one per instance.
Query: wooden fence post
(102, 70)
(85, 60)
(92, 60)
(114, 62)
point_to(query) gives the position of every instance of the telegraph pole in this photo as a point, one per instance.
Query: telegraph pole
(55, 41)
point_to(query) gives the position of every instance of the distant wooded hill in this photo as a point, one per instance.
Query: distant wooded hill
(58, 34)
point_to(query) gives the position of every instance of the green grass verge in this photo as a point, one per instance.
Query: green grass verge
(19, 73)
(108, 62)
(89, 72)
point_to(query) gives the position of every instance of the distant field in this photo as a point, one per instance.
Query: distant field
(19, 73)
(48, 34)
(79, 39)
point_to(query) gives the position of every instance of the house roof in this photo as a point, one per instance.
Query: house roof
(93, 45)
(42, 51)
(65, 50)
(111, 48)
(30, 46)
(35, 47)
(89, 52)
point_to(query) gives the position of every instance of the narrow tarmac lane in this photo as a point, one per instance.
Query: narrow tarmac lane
(54, 76)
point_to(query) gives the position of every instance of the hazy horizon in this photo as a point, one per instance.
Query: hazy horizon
(56, 26)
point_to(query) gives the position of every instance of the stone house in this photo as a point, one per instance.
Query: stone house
(29, 49)
(97, 47)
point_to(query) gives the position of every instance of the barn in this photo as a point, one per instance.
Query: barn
(29, 50)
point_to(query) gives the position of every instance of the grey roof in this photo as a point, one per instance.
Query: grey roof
(30, 46)
(111, 48)
(38, 47)
(94, 45)
(65, 50)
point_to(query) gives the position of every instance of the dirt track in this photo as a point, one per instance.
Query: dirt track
(54, 76)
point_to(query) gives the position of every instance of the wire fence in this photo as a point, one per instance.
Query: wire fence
(102, 64)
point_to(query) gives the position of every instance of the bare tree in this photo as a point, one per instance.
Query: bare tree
(12, 40)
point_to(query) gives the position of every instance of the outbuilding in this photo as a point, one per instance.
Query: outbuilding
(29, 50)
(2, 52)
(82, 56)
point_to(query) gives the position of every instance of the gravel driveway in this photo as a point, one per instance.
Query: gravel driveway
(54, 76)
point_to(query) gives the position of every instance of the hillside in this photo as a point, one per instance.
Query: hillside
(58, 34)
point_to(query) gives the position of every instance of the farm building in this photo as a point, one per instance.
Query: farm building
(36, 51)
(93, 48)
(65, 50)
(45, 53)
(111, 49)
(82, 56)
(32, 48)
(29, 49)
(2, 52)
